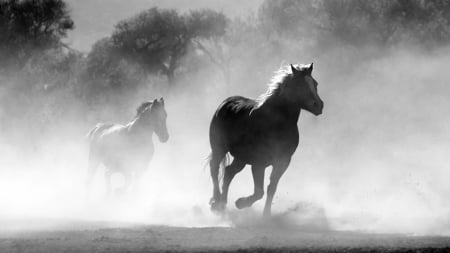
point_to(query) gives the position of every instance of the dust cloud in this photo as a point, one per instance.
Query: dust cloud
(375, 161)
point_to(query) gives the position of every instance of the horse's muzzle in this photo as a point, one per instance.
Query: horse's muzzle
(317, 108)
(318, 111)
(163, 138)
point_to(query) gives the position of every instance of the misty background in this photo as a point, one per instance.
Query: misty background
(376, 160)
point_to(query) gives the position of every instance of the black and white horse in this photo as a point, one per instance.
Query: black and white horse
(261, 132)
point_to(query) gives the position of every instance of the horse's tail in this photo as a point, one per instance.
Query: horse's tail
(224, 163)
(91, 133)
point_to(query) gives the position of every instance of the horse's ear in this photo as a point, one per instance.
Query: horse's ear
(162, 101)
(155, 101)
(309, 69)
(294, 70)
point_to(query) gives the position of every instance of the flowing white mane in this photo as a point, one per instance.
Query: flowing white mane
(278, 80)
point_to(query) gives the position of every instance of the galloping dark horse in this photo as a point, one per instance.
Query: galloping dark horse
(261, 133)
(127, 148)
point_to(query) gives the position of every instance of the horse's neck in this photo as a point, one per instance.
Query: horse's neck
(280, 108)
(136, 128)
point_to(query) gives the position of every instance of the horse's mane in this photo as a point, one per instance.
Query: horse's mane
(280, 78)
(142, 107)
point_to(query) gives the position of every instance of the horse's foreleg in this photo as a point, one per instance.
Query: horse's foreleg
(128, 180)
(258, 192)
(277, 171)
(230, 171)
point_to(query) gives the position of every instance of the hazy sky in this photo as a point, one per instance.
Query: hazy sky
(95, 19)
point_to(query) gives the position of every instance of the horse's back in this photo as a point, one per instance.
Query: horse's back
(107, 141)
(230, 120)
(251, 134)
(232, 110)
(106, 136)
(235, 105)
(98, 130)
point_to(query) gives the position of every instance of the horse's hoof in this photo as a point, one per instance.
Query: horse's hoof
(241, 203)
(217, 206)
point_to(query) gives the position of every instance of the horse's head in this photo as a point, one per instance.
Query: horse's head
(155, 115)
(303, 89)
(159, 120)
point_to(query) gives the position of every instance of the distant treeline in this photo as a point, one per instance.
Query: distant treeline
(166, 51)
(386, 22)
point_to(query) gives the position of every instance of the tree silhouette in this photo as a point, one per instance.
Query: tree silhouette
(30, 26)
(157, 38)
(107, 71)
(357, 22)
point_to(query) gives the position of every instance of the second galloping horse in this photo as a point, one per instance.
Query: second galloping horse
(127, 149)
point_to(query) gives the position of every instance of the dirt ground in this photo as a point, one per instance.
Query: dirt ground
(95, 237)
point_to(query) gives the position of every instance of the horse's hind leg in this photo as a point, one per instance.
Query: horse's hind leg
(230, 171)
(93, 163)
(258, 192)
(214, 164)
(108, 174)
